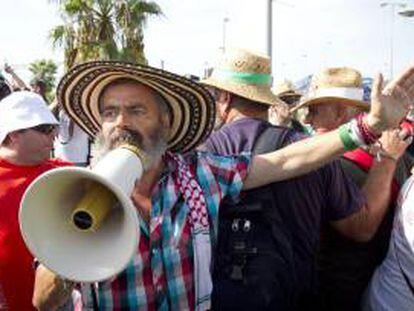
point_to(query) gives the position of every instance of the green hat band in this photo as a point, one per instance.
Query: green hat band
(243, 77)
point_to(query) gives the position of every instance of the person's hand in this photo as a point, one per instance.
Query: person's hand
(394, 143)
(391, 104)
(50, 291)
(8, 68)
(279, 114)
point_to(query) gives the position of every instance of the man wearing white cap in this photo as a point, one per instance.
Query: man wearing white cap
(27, 130)
(335, 97)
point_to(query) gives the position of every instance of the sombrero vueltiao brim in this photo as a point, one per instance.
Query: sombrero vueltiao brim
(331, 99)
(191, 106)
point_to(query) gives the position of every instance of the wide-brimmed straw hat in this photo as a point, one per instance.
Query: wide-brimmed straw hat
(286, 89)
(336, 85)
(287, 92)
(245, 74)
(191, 106)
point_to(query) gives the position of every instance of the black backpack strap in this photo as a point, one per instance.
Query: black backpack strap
(272, 138)
(254, 250)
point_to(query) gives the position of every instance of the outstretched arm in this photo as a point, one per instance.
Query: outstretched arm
(16, 79)
(389, 106)
(362, 225)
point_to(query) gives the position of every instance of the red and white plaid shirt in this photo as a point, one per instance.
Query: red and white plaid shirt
(161, 274)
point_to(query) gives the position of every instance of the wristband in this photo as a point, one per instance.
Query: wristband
(386, 155)
(347, 138)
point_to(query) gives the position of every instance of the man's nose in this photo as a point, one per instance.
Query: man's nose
(123, 120)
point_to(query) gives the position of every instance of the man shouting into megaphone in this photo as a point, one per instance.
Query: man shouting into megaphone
(180, 191)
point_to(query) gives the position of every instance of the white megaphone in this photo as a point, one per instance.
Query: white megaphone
(81, 223)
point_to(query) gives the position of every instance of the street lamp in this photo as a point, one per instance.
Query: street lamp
(393, 6)
(407, 12)
(225, 21)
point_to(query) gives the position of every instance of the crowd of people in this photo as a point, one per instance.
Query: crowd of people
(253, 198)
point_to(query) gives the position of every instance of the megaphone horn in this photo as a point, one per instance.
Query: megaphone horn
(81, 223)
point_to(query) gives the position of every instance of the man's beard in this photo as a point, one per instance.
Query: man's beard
(154, 146)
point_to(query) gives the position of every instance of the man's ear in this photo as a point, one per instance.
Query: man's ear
(166, 120)
(225, 101)
(223, 104)
(227, 98)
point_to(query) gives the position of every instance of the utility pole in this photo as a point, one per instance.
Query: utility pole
(269, 27)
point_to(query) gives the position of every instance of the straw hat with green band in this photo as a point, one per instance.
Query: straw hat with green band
(192, 109)
(245, 74)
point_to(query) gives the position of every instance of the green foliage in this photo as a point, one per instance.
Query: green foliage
(103, 29)
(45, 70)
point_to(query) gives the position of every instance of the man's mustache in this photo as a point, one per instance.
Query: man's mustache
(126, 136)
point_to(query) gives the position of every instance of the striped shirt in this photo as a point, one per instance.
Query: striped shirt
(160, 276)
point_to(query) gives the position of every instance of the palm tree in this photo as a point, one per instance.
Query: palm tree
(45, 70)
(64, 36)
(103, 29)
(131, 21)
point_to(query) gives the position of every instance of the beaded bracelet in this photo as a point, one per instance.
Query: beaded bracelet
(368, 136)
(357, 133)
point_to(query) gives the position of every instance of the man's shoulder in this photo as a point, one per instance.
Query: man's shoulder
(241, 136)
(210, 165)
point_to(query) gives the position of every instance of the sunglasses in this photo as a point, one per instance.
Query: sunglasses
(290, 100)
(44, 128)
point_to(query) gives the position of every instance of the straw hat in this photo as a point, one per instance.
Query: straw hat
(286, 89)
(191, 106)
(245, 74)
(343, 85)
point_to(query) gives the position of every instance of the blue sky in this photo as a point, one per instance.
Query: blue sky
(307, 35)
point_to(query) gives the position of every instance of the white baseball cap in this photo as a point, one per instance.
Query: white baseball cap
(22, 110)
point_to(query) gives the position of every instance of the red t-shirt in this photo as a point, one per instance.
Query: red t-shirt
(16, 263)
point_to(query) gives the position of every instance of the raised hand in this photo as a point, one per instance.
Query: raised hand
(391, 104)
(8, 68)
(278, 114)
(395, 142)
(50, 291)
